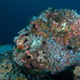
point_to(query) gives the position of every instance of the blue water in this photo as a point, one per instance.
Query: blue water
(14, 14)
(6, 48)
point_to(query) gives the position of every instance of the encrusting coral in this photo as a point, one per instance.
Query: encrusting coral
(77, 71)
(20, 78)
(5, 67)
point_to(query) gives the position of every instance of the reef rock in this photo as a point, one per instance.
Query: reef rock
(50, 41)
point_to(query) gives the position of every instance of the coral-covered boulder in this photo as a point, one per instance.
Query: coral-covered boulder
(51, 41)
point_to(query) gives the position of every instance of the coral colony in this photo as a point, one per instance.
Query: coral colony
(49, 43)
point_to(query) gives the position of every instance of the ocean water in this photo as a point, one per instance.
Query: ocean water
(14, 14)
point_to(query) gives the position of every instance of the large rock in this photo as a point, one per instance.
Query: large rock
(49, 42)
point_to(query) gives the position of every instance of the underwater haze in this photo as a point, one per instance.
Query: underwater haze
(14, 14)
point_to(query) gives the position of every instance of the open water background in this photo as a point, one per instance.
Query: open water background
(14, 14)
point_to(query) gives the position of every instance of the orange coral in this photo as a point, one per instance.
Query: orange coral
(20, 44)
